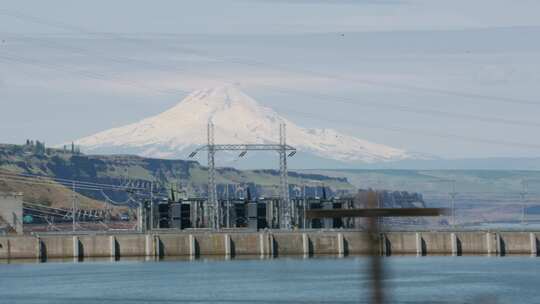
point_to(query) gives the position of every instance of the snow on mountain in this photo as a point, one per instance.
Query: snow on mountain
(238, 119)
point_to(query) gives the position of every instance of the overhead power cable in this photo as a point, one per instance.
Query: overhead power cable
(371, 82)
(64, 186)
(329, 98)
(27, 181)
(401, 129)
(127, 202)
(324, 97)
(77, 182)
(319, 96)
(88, 74)
(67, 182)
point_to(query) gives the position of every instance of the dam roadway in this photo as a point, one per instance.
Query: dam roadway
(265, 244)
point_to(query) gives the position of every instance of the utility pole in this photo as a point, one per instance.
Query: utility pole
(228, 215)
(73, 210)
(523, 194)
(152, 205)
(379, 205)
(140, 217)
(304, 202)
(453, 194)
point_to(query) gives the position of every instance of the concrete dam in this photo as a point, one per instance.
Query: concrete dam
(265, 244)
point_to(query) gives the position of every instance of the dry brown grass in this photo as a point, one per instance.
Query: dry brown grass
(54, 195)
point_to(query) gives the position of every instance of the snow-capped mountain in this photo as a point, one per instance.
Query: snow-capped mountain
(237, 119)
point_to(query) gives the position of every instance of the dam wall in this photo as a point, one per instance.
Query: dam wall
(266, 244)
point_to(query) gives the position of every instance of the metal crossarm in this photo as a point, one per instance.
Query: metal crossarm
(246, 147)
(283, 150)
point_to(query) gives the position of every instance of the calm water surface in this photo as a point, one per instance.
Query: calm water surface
(283, 280)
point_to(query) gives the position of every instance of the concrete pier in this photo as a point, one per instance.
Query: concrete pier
(534, 244)
(271, 247)
(501, 250)
(227, 245)
(39, 249)
(263, 239)
(305, 245)
(76, 248)
(266, 244)
(341, 244)
(454, 243)
(491, 243)
(419, 250)
(149, 246)
(192, 246)
(112, 244)
(385, 249)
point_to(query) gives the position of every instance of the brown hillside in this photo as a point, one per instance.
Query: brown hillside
(57, 196)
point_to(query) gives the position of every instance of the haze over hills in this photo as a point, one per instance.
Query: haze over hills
(238, 119)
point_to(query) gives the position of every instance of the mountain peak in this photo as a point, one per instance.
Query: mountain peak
(219, 97)
(221, 105)
(238, 118)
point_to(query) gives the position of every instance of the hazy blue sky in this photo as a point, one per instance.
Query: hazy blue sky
(451, 78)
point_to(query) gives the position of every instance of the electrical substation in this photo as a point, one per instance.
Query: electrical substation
(242, 209)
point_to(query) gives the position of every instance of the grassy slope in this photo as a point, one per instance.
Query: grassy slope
(130, 170)
(52, 196)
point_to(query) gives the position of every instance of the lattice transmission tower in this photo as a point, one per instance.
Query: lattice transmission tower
(283, 150)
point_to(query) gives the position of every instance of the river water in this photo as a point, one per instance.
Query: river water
(475, 279)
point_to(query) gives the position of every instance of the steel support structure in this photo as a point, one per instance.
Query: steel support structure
(283, 150)
(284, 184)
(212, 191)
(73, 207)
(453, 195)
(523, 195)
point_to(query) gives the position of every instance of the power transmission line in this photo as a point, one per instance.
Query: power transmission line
(402, 108)
(49, 184)
(80, 182)
(87, 74)
(67, 182)
(325, 97)
(371, 82)
(401, 129)
(320, 96)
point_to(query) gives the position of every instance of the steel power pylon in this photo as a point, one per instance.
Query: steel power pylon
(283, 183)
(212, 192)
(282, 148)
